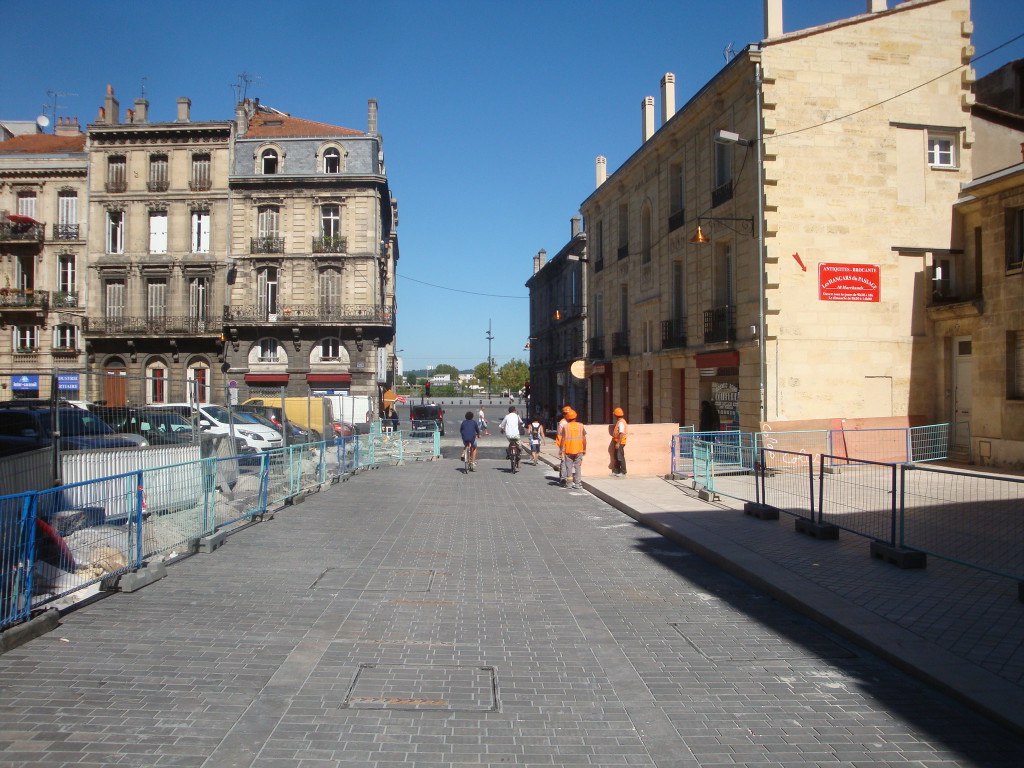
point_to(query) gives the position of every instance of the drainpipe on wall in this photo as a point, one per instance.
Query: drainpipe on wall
(762, 256)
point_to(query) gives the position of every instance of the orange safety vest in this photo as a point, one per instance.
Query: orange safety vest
(572, 435)
(619, 436)
(558, 432)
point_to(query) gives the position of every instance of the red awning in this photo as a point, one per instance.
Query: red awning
(329, 378)
(19, 218)
(266, 378)
(729, 359)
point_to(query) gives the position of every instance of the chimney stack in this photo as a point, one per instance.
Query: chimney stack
(371, 121)
(538, 260)
(875, 6)
(773, 18)
(647, 111)
(574, 225)
(601, 165)
(65, 127)
(111, 109)
(141, 111)
(668, 97)
(184, 108)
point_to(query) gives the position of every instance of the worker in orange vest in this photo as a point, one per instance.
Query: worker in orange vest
(619, 443)
(572, 446)
(558, 443)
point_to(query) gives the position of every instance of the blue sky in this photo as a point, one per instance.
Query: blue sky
(492, 112)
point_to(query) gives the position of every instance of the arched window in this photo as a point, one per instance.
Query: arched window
(197, 376)
(268, 161)
(156, 382)
(332, 161)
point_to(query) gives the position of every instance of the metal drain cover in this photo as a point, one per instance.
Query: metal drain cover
(432, 686)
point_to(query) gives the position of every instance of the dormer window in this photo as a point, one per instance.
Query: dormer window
(268, 161)
(332, 161)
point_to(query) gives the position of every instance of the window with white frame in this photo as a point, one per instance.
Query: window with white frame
(268, 350)
(200, 172)
(332, 160)
(330, 221)
(942, 149)
(198, 377)
(26, 338)
(25, 272)
(114, 299)
(115, 231)
(158, 178)
(330, 289)
(158, 231)
(156, 298)
(268, 162)
(65, 336)
(267, 221)
(723, 167)
(117, 173)
(66, 280)
(156, 383)
(330, 349)
(266, 290)
(198, 301)
(200, 231)
(27, 204)
(67, 216)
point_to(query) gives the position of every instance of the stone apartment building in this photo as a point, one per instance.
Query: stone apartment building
(311, 303)
(769, 249)
(43, 189)
(558, 310)
(157, 254)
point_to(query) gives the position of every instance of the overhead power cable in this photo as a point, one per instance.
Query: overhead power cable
(460, 290)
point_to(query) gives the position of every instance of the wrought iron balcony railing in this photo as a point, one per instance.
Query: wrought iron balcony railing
(623, 251)
(26, 233)
(12, 298)
(620, 343)
(720, 324)
(673, 333)
(65, 231)
(330, 245)
(64, 299)
(676, 220)
(267, 245)
(597, 348)
(311, 313)
(151, 325)
(721, 194)
(158, 185)
(200, 185)
(116, 186)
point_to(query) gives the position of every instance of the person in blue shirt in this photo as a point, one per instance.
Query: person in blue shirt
(470, 431)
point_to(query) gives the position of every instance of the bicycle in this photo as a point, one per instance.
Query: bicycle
(468, 464)
(514, 451)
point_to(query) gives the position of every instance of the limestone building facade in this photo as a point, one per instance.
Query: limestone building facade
(767, 250)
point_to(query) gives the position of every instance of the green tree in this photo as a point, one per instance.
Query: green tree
(481, 371)
(411, 379)
(514, 374)
(444, 368)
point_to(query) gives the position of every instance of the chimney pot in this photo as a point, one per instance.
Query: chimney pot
(371, 122)
(772, 18)
(184, 109)
(574, 225)
(668, 97)
(647, 113)
(874, 6)
(141, 110)
(601, 167)
(111, 108)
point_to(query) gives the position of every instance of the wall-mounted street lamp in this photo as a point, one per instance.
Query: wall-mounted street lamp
(700, 237)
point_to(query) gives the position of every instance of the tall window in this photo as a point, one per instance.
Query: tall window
(158, 231)
(198, 377)
(198, 301)
(268, 161)
(599, 246)
(267, 221)
(200, 231)
(330, 289)
(623, 307)
(65, 337)
(725, 287)
(66, 286)
(678, 290)
(117, 173)
(115, 231)
(1014, 236)
(676, 197)
(330, 221)
(67, 216)
(942, 149)
(268, 350)
(201, 178)
(623, 230)
(25, 273)
(330, 349)
(114, 299)
(158, 178)
(645, 235)
(599, 315)
(266, 290)
(1017, 357)
(156, 380)
(723, 174)
(27, 204)
(332, 161)
(26, 338)
(156, 298)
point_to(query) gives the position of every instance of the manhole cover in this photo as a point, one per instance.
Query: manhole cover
(746, 641)
(435, 686)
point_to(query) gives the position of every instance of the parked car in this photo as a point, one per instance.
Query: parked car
(26, 429)
(427, 418)
(158, 426)
(217, 420)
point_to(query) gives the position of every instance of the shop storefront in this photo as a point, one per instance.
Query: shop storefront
(719, 390)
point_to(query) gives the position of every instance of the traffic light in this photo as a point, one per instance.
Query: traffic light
(426, 389)
(526, 389)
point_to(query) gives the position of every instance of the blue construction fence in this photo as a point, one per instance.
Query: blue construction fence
(61, 545)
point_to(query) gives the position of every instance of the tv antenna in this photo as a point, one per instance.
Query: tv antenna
(142, 88)
(53, 106)
(729, 52)
(241, 87)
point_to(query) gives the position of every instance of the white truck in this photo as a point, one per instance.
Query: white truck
(357, 410)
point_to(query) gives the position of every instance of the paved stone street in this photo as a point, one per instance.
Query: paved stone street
(418, 616)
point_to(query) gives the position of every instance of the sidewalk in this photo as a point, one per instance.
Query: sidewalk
(958, 628)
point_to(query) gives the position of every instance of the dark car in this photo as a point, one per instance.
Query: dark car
(158, 426)
(427, 418)
(26, 429)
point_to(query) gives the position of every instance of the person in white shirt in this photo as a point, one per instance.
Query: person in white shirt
(511, 426)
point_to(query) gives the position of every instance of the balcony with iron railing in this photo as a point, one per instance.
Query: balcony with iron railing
(596, 348)
(623, 251)
(676, 220)
(151, 325)
(720, 325)
(620, 343)
(64, 299)
(200, 185)
(65, 231)
(16, 298)
(673, 333)
(120, 185)
(330, 245)
(17, 232)
(722, 193)
(158, 185)
(365, 314)
(266, 245)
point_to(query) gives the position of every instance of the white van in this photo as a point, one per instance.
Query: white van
(216, 420)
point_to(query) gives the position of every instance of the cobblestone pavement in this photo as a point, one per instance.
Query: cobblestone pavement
(419, 616)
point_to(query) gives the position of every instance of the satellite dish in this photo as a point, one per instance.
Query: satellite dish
(42, 121)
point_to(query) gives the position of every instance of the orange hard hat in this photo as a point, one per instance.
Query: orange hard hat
(570, 414)
(618, 412)
(566, 409)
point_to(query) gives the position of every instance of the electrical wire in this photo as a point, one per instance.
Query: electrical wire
(459, 290)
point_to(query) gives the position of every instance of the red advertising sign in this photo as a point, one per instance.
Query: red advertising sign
(849, 282)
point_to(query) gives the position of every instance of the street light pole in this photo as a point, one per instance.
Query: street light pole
(490, 360)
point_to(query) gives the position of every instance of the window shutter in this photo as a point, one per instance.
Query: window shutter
(158, 233)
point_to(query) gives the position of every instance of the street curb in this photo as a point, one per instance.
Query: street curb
(20, 634)
(984, 692)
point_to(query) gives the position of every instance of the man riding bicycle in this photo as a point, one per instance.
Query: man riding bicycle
(470, 431)
(511, 426)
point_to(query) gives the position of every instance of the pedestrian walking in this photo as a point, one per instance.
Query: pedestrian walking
(482, 422)
(535, 431)
(619, 443)
(558, 444)
(573, 447)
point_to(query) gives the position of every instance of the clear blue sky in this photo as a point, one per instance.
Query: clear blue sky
(492, 112)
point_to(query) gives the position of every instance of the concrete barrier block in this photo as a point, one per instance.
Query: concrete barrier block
(150, 572)
(815, 530)
(901, 558)
(209, 543)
